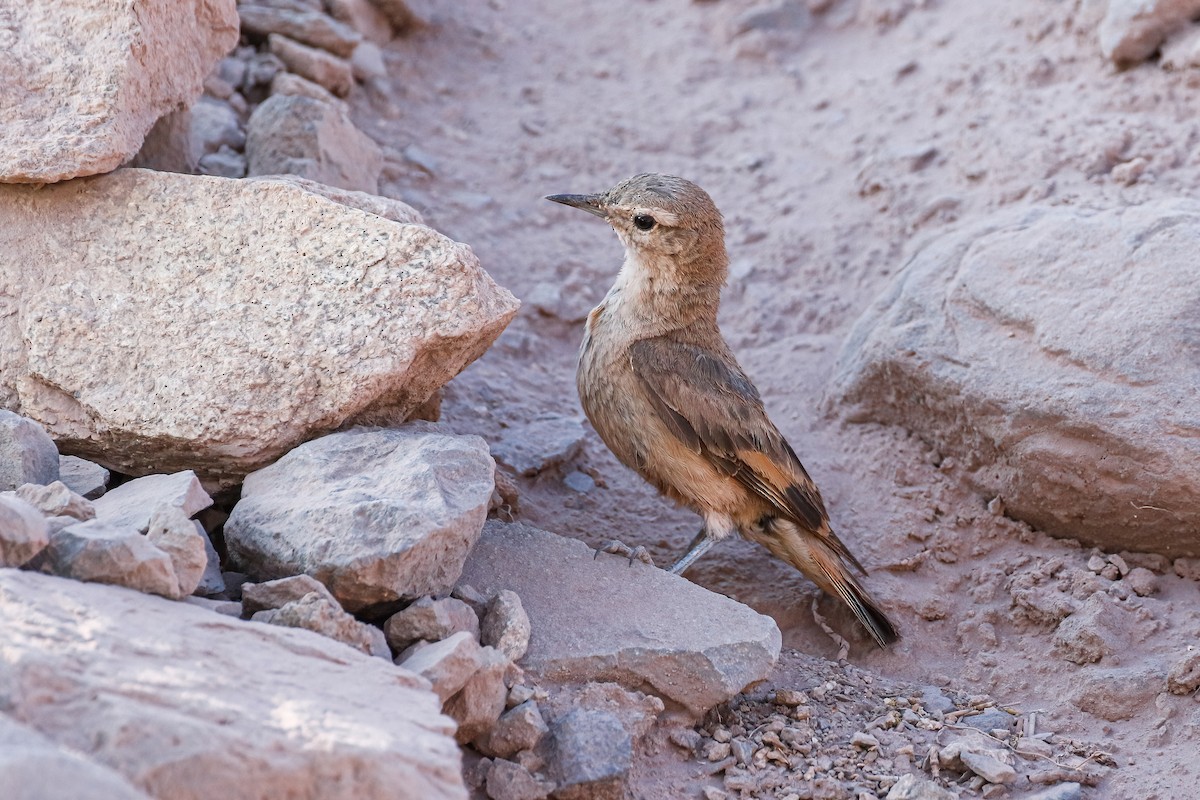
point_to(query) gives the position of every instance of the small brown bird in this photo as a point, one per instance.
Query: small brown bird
(662, 388)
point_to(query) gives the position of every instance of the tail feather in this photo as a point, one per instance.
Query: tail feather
(812, 554)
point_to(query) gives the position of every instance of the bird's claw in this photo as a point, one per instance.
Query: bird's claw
(618, 548)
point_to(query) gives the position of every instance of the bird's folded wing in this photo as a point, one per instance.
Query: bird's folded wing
(714, 409)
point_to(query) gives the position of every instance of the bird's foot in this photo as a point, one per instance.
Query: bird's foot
(617, 548)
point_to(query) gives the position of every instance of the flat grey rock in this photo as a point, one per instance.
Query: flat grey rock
(377, 515)
(600, 619)
(27, 453)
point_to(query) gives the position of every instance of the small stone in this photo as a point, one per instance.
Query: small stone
(686, 739)
(742, 750)
(518, 694)
(579, 482)
(367, 63)
(83, 477)
(102, 552)
(1142, 581)
(1063, 791)
(519, 728)
(1110, 572)
(713, 793)
(27, 453)
(472, 597)
(1184, 676)
(318, 613)
(509, 781)
(56, 500)
(225, 163)
(790, 697)
(23, 531)
(987, 767)
(865, 741)
(173, 532)
(543, 444)
(211, 581)
(593, 753)
(287, 83)
(278, 593)
(431, 620)
(304, 25)
(478, 705)
(722, 735)
(447, 664)
(131, 504)
(506, 625)
(1096, 564)
(718, 751)
(1099, 628)
(915, 787)
(334, 73)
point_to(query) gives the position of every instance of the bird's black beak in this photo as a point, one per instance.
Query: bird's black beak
(591, 203)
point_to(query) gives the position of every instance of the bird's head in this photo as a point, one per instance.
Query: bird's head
(669, 226)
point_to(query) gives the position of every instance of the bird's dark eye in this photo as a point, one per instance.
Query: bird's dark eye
(643, 222)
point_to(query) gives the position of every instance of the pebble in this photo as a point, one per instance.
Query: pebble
(721, 735)
(742, 750)
(713, 793)
(1142, 581)
(864, 740)
(686, 739)
(991, 769)
(718, 751)
(579, 482)
(790, 697)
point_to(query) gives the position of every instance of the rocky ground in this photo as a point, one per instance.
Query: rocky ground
(961, 247)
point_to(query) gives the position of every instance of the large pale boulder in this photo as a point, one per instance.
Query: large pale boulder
(192, 329)
(1051, 354)
(601, 619)
(82, 82)
(189, 705)
(377, 515)
(34, 768)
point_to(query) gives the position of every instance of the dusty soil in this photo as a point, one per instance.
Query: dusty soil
(835, 144)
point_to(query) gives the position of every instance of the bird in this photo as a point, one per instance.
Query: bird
(665, 393)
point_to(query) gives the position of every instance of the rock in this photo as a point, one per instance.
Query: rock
(1063, 791)
(864, 741)
(1022, 374)
(991, 719)
(335, 74)
(363, 17)
(286, 83)
(1133, 30)
(34, 768)
(915, 787)
(1100, 628)
(509, 781)
(168, 145)
(408, 504)
(56, 500)
(304, 25)
(319, 614)
(27, 453)
(431, 620)
(478, 705)
(214, 124)
(534, 447)
(225, 163)
(23, 531)
(592, 756)
(385, 207)
(85, 81)
(131, 504)
(399, 15)
(638, 626)
(312, 139)
(172, 531)
(519, 728)
(331, 275)
(278, 593)
(1184, 677)
(1117, 694)
(82, 477)
(447, 664)
(506, 625)
(991, 769)
(98, 551)
(1142, 581)
(223, 708)
(367, 63)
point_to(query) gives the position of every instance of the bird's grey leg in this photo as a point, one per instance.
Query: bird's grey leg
(699, 546)
(619, 548)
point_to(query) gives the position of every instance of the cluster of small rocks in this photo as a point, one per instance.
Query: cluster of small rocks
(852, 734)
(276, 104)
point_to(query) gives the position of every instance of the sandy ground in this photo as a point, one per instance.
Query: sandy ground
(835, 145)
